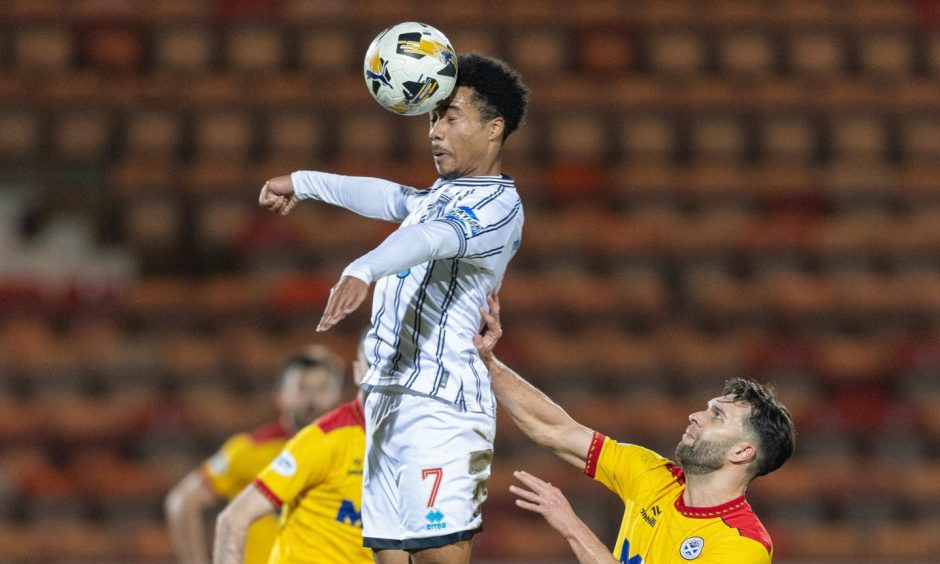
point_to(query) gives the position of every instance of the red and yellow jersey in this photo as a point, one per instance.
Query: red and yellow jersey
(317, 482)
(657, 526)
(235, 466)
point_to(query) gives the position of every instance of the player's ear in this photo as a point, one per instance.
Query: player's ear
(496, 127)
(743, 453)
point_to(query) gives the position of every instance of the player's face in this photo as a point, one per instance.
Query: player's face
(711, 435)
(307, 394)
(460, 140)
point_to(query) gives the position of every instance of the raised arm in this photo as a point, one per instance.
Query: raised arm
(231, 529)
(370, 197)
(184, 507)
(544, 421)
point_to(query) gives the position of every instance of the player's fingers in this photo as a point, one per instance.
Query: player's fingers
(524, 493)
(529, 480)
(534, 507)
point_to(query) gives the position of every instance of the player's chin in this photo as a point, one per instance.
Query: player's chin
(446, 173)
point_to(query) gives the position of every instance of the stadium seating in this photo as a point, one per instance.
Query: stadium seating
(743, 189)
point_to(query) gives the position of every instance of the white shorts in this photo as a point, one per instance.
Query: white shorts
(425, 471)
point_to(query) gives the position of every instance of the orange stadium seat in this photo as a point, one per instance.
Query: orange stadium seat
(749, 53)
(22, 134)
(790, 138)
(538, 51)
(675, 52)
(888, 54)
(817, 53)
(295, 134)
(153, 133)
(716, 137)
(82, 135)
(255, 49)
(187, 48)
(223, 134)
(43, 48)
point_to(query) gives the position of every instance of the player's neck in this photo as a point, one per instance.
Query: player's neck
(714, 488)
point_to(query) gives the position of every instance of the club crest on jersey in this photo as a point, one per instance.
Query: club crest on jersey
(467, 220)
(435, 520)
(691, 548)
(284, 464)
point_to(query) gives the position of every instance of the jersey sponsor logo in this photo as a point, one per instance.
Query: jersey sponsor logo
(467, 220)
(347, 514)
(284, 464)
(435, 520)
(625, 557)
(691, 548)
(404, 273)
(218, 464)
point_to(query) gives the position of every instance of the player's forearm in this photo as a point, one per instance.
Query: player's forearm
(371, 197)
(405, 248)
(231, 534)
(184, 508)
(536, 414)
(586, 546)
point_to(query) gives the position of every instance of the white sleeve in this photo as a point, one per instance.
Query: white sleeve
(371, 197)
(407, 247)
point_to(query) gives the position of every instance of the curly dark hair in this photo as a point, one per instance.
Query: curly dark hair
(769, 421)
(499, 89)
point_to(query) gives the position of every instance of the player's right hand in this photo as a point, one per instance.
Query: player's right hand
(277, 195)
(493, 329)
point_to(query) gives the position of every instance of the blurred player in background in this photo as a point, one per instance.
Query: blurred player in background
(695, 511)
(430, 412)
(316, 484)
(310, 384)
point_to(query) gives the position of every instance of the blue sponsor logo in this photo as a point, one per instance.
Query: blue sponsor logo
(625, 554)
(404, 273)
(467, 219)
(435, 520)
(348, 514)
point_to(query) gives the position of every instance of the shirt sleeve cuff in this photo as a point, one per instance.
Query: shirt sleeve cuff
(594, 453)
(264, 489)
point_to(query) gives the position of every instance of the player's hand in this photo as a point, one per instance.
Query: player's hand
(493, 330)
(277, 195)
(345, 298)
(546, 500)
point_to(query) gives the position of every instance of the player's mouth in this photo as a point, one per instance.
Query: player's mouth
(438, 153)
(688, 434)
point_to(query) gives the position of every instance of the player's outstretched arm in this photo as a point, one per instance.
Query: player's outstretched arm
(543, 420)
(184, 506)
(545, 499)
(231, 528)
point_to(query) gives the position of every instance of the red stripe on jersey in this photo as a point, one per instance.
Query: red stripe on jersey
(346, 415)
(270, 432)
(747, 523)
(593, 454)
(264, 489)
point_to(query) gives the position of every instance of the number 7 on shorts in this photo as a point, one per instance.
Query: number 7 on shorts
(438, 473)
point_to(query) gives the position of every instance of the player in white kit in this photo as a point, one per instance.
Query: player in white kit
(430, 410)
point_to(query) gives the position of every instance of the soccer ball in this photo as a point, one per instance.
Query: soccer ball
(410, 67)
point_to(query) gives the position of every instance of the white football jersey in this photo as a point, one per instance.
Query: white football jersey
(424, 317)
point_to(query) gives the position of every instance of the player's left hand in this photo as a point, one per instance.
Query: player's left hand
(546, 500)
(345, 297)
(486, 342)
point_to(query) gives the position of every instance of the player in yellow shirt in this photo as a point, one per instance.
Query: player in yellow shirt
(316, 483)
(309, 385)
(691, 512)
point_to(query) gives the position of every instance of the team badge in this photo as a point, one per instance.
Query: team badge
(691, 548)
(284, 464)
